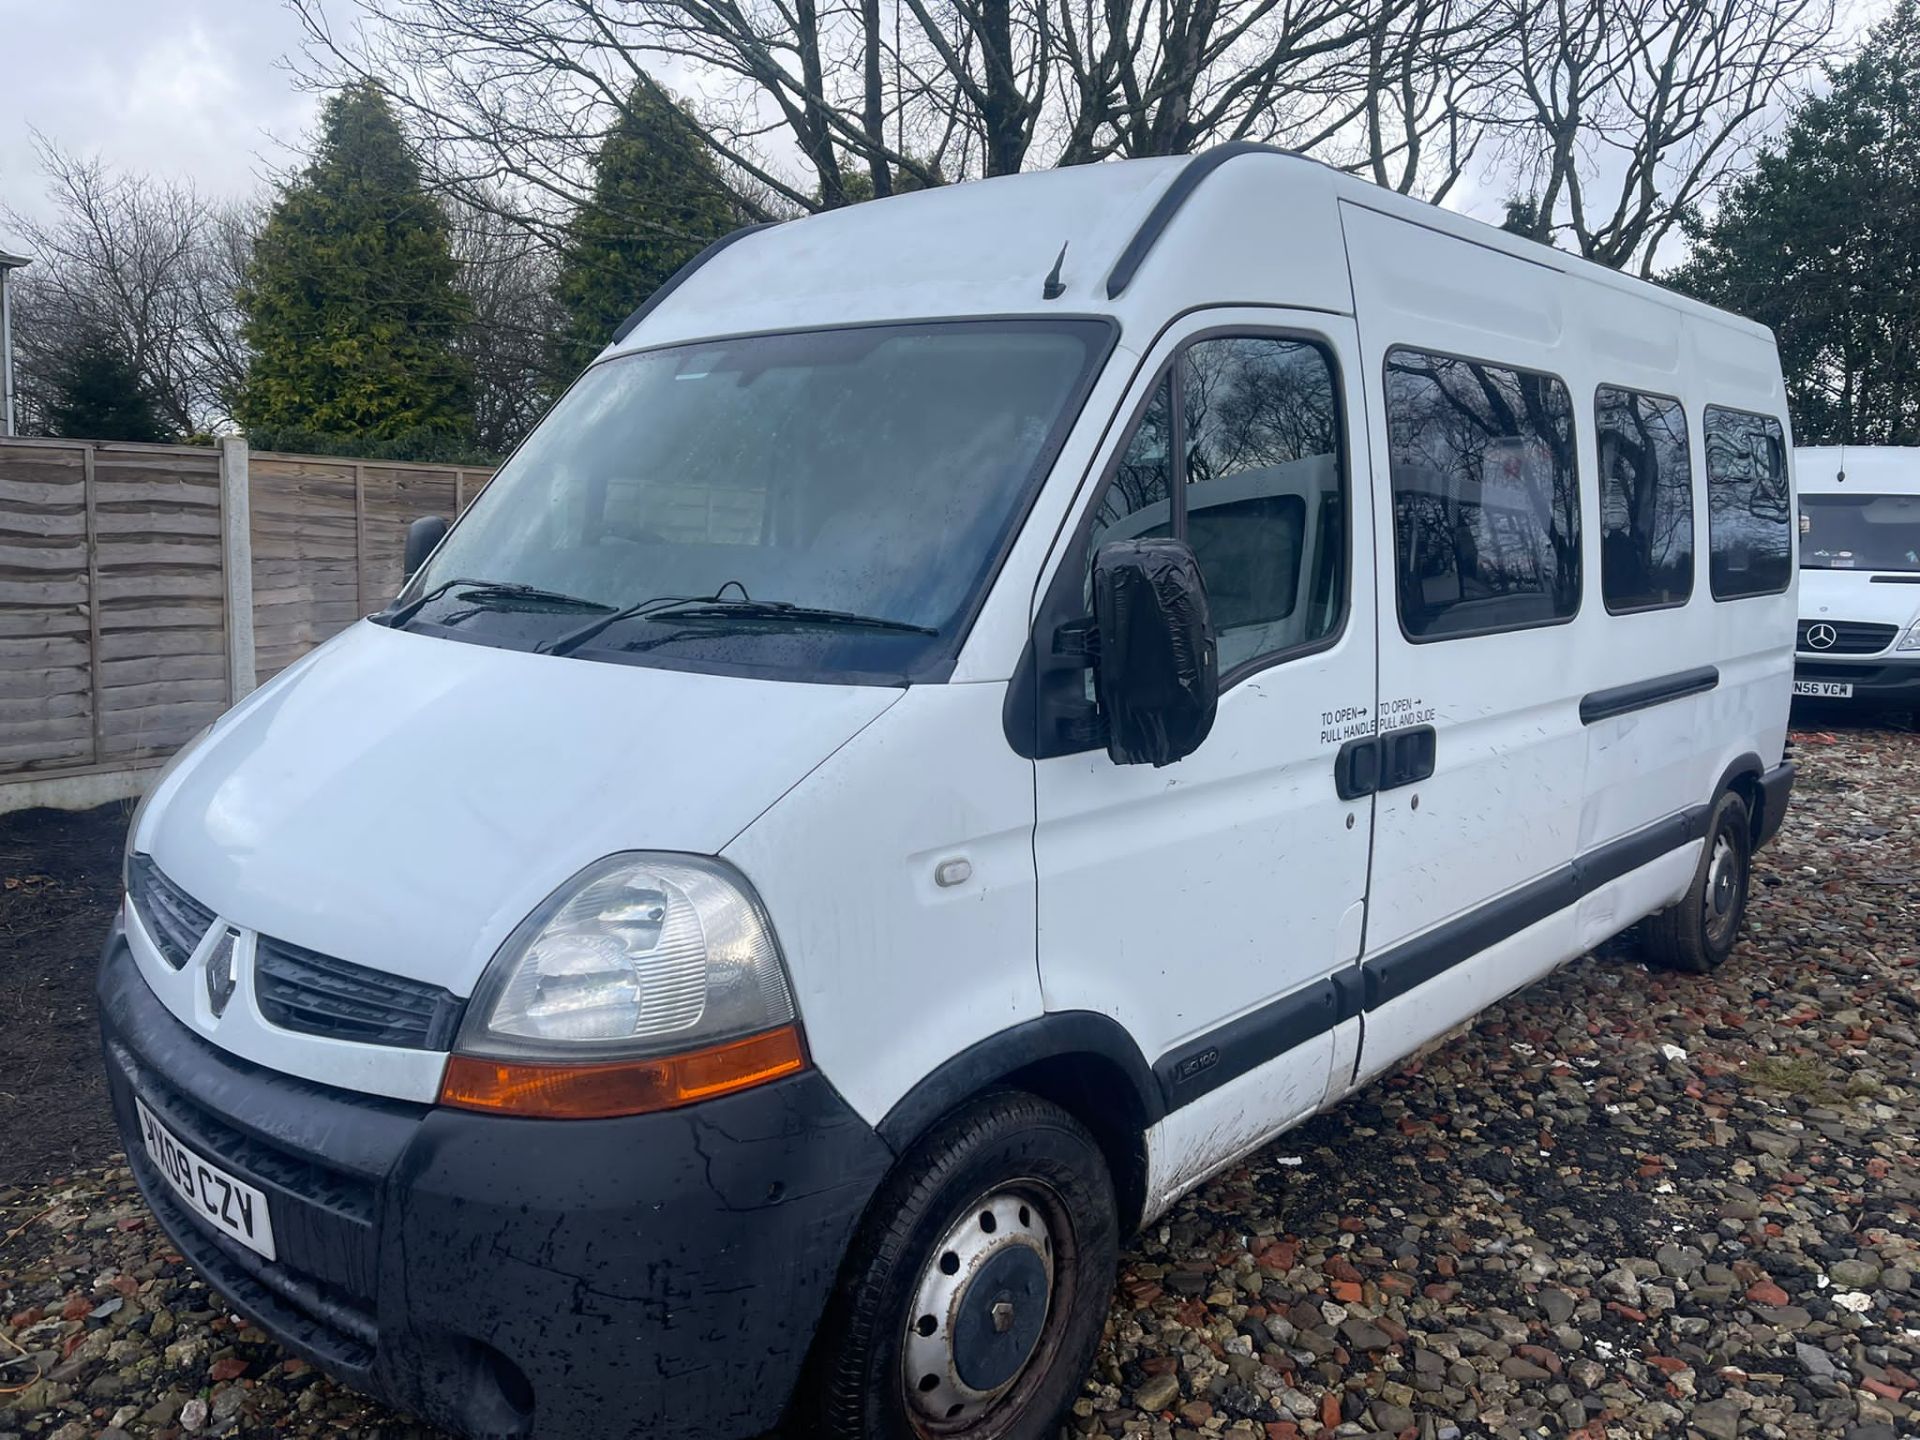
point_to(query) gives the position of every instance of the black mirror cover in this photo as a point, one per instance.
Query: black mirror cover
(422, 535)
(1158, 678)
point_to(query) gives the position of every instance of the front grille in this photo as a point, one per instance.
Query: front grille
(174, 919)
(318, 995)
(1851, 637)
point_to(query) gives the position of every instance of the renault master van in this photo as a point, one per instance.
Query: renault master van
(1859, 640)
(977, 710)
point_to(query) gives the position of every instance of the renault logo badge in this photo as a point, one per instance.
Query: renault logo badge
(220, 976)
(1821, 636)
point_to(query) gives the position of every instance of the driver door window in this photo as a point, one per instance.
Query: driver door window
(1239, 453)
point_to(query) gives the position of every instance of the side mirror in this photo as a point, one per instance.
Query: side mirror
(1158, 675)
(422, 535)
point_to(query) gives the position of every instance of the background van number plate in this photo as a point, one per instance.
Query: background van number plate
(1824, 689)
(231, 1206)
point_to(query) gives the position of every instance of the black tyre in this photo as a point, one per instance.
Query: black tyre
(972, 1299)
(1698, 932)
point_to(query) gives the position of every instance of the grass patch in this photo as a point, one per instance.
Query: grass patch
(1798, 1076)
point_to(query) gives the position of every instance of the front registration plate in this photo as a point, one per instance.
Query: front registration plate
(231, 1206)
(1824, 689)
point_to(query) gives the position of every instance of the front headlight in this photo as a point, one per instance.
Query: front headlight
(645, 981)
(1911, 640)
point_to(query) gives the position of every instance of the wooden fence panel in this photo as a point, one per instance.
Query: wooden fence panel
(46, 678)
(306, 578)
(396, 496)
(161, 671)
(116, 641)
(329, 541)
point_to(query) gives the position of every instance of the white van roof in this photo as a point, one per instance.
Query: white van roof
(1870, 469)
(1145, 240)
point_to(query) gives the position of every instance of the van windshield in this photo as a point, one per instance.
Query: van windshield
(1860, 532)
(819, 505)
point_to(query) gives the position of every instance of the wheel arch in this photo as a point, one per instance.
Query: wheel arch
(1082, 1061)
(1742, 776)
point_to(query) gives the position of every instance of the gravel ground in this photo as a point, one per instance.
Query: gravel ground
(1625, 1204)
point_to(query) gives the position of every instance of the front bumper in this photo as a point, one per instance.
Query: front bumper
(1876, 680)
(659, 1275)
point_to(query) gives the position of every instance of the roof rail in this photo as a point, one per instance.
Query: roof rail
(1169, 203)
(679, 277)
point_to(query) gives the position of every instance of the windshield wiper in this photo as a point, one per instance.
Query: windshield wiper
(483, 591)
(571, 640)
(787, 610)
(705, 607)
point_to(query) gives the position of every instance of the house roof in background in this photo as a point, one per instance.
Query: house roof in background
(11, 261)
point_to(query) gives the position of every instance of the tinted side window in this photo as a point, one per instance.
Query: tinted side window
(1646, 501)
(1749, 507)
(1486, 504)
(1264, 509)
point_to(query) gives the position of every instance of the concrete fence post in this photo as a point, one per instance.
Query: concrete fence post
(236, 556)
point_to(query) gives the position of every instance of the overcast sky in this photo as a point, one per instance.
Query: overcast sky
(190, 88)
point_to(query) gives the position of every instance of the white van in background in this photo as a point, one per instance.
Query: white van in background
(1859, 637)
(978, 710)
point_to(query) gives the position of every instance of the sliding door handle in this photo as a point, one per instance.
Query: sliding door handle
(1369, 764)
(1407, 756)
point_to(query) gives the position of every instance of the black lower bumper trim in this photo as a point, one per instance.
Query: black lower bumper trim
(320, 1328)
(658, 1275)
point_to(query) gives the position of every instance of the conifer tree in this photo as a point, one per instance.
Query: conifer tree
(352, 312)
(658, 201)
(98, 395)
(1821, 241)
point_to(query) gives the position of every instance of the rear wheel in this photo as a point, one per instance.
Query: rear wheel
(1698, 932)
(974, 1296)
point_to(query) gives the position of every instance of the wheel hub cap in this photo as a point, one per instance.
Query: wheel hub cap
(1720, 878)
(979, 1309)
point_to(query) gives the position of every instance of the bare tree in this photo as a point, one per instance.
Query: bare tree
(148, 263)
(518, 97)
(1429, 69)
(508, 276)
(1621, 116)
(1615, 118)
(794, 97)
(1164, 77)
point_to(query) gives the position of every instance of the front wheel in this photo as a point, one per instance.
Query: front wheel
(974, 1295)
(1697, 933)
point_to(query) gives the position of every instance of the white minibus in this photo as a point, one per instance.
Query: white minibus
(976, 711)
(1859, 639)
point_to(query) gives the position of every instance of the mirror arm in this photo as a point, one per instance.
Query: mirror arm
(1080, 639)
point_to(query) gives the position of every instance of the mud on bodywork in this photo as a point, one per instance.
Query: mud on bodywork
(667, 1268)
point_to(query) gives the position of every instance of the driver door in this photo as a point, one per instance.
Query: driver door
(1214, 906)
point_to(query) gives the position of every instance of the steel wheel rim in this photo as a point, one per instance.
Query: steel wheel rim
(1722, 897)
(993, 1270)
